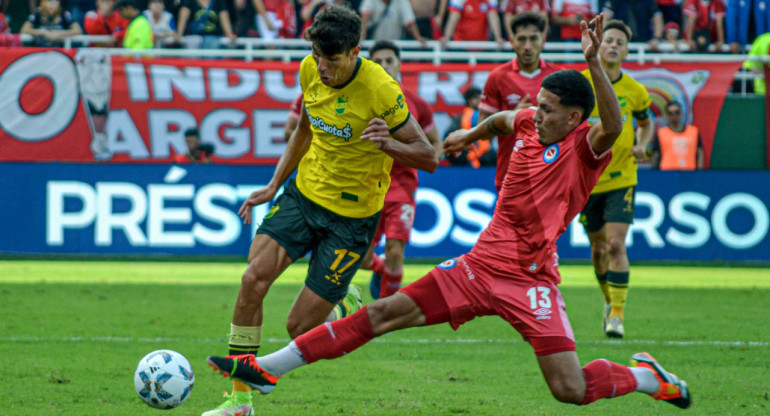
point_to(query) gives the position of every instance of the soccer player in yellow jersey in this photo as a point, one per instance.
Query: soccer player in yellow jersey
(610, 208)
(353, 124)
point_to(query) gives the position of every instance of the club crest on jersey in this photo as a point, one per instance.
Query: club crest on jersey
(448, 264)
(342, 102)
(551, 153)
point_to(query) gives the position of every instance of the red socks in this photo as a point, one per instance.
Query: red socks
(605, 379)
(390, 282)
(335, 339)
(378, 265)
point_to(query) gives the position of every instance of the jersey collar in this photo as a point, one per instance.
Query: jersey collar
(530, 75)
(352, 77)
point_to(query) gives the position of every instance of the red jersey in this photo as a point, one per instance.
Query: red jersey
(403, 179)
(295, 110)
(114, 24)
(521, 6)
(566, 8)
(473, 23)
(704, 11)
(546, 186)
(504, 89)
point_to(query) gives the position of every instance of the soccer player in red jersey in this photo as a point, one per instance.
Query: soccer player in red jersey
(398, 213)
(512, 271)
(515, 84)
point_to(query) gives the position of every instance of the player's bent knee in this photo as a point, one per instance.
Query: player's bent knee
(567, 392)
(394, 312)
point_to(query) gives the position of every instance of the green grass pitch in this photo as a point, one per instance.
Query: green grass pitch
(71, 334)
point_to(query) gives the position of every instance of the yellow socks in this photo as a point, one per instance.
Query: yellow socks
(617, 283)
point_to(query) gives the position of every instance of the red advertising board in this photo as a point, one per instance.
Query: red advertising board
(86, 105)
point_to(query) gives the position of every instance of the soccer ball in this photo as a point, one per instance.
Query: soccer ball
(164, 379)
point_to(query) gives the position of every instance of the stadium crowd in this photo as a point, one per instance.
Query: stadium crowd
(685, 25)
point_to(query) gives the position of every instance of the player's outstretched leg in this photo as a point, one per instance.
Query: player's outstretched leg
(239, 403)
(244, 368)
(672, 389)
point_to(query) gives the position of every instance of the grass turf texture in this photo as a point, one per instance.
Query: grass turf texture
(72, 334)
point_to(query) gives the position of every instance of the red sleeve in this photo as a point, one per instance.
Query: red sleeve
(93, 24)
(523, 121)
(296, 107)
(425, 114)
(585, 151)
(490, 98)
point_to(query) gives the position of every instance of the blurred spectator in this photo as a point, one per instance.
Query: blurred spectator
(569, 13)
(162, 22)
(277, 19)
(79, 8)
(737, 23)
(197, 152)
(472, 20)
(207, 20)
(105, 20)
(705, 24)
(671, 9)
(310, 8)
(514, 7)
(672, 37)
(480, 152)
(424, 13)
(638, 14)
(760, 47)
(387, 19)
(677, 146)
(50, 24)
(761, 16)
(139, 31)
(7, 39)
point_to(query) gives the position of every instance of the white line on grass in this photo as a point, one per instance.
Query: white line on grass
(391, 340)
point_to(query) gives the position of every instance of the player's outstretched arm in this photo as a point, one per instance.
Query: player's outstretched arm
(603, 133)
(297, 146)
(498, 124)
(410, 147)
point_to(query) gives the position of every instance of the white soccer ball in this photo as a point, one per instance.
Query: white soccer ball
(164, 379)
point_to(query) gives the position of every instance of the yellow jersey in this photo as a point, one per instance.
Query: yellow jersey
(341, 172)
(634, 103)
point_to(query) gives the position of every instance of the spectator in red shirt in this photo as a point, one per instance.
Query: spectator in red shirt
(569, 13)
(197, 152)
(472, 20)
(514, 7)
(105, 20)
(705, 24)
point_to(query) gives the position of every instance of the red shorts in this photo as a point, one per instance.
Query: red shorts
(396, 221)
(536, 309)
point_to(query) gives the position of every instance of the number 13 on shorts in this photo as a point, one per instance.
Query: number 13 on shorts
(540, 300)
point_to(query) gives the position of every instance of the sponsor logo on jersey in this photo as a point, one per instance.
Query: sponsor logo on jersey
(542, 313)
(551, 153)
(392, 110)
(519, 144)
(319, 123)
(513, 99)
(448, 264)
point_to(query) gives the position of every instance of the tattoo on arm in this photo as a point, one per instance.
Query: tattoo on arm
(491, 127)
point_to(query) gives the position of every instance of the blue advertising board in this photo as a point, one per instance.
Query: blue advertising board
(62, 208)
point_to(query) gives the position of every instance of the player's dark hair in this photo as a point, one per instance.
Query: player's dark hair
(573, 90)
(528, 19)
(335, 29)
(384, 44)
(619, 25)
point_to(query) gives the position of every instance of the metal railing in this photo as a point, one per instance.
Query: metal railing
(470, 52)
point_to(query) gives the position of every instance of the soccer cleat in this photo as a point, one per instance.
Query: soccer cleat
(233, 406)
(374, 285)
(349, 304)
(614, 328)
(244, 368)
(606, 315)
(672, 389)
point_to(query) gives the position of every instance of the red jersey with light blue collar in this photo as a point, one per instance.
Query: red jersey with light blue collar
(545, 188)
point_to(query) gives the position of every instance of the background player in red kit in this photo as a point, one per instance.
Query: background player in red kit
(512, 271)
(397, 216)
(515, 84)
